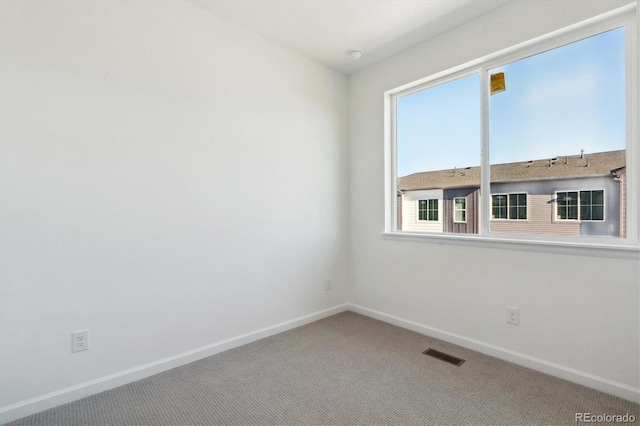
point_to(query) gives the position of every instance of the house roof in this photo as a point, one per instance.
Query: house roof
(563, 167)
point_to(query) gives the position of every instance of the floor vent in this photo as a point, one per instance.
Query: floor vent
(444, 357)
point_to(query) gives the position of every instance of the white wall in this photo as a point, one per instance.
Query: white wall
(168, 181)
(154, 162)
(578, 314)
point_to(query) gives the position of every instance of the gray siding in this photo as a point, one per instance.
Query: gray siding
(472, 224)
(542, 207)
(541, 213)
(539, 219)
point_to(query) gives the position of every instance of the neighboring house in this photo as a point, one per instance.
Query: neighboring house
(569, 195)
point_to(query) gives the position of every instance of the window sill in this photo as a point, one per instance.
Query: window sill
(557, 247)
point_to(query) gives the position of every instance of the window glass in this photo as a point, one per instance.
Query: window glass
(551, 128)
(428, 210)
(432, 209)
(557, 120)
(518, 206)
(460, 209)
(438, 128)
(567, 203)
(422, 210)
(592, 205)
(499, 206)
(438, 150)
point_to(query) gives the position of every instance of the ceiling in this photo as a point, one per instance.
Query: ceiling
(325, 30)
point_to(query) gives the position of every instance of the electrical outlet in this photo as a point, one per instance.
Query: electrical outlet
(328, 284)
(80, 341)
(513, 315)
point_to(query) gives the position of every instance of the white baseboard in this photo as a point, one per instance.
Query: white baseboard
(83, 390)
(567, 373)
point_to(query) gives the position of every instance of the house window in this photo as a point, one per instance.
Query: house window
(499, 134)
(592, 205)
(499, 206)
(518, 206)
(583, 205)
(460, 209)
(509, 206)
(567, 205)
(428, 210)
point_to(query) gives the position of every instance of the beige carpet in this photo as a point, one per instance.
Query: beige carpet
(348, 370)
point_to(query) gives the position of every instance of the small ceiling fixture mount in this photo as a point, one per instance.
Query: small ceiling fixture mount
(355, 54)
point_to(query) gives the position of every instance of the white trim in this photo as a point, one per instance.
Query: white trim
(633, 130)
(418, 210)
(580, 219)
(624, 16)
(555, 212)
(73, 393)
(566, 35)
(390, 167)
(83, 390)
(567, 373)
(427, 210)
(502, 243)
(459, 210)
(498, 194)
(485, 168)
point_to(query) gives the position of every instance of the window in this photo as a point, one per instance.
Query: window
(509, 206)
(567, 205)
(518, 206)
(583, 205)
(499, 136)
(499, 206)
(592, 205)
(459, 209)
(428, 210)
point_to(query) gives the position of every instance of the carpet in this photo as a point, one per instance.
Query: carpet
(347, 369)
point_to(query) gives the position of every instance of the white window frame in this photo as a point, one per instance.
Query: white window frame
(508, 206)
(626, 16)
(526, 197)
(555, 208)
(604, 205)
(418, 202)
(579, 205)
(460, 210)
(427, 219)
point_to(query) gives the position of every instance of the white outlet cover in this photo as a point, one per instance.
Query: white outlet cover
(80, 341)
(513, 315)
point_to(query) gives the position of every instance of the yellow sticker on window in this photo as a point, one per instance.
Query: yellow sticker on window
(497, 83)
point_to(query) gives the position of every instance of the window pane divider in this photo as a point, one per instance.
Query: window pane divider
(485, 169)
(626, 16)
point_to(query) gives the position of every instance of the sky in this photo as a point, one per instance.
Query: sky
(556, 103)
